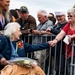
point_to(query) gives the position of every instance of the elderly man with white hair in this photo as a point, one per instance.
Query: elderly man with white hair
(12, 47)
(44, 23)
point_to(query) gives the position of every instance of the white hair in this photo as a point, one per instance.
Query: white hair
(10, 28)
(43, 12)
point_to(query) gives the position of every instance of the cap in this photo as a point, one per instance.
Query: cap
(24, 9)
(59, 13)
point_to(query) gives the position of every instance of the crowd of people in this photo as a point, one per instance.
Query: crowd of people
(16, 23)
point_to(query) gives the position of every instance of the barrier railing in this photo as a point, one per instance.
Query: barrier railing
(53, 60)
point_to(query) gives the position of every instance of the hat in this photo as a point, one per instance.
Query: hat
(59, 13)
(24, 9)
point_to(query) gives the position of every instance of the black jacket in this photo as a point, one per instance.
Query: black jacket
(57, 28)
(10, 17)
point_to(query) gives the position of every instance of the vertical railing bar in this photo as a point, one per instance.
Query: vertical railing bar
(72, 57)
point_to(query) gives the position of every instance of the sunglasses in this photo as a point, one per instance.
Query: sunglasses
(69, 16)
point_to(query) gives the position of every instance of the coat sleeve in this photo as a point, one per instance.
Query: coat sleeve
(55, 31)
(36, 47)
(2, 45)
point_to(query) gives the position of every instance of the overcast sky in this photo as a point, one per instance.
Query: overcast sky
(48, 5)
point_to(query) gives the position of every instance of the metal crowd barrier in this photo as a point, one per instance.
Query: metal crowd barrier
(54, 60)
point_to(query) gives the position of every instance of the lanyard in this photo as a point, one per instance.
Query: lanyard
(16, 47)
(14, 51)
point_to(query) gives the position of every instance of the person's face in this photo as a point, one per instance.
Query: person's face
(40, 18)
(5, 4)
(71, 17)
(60, 18)
(24, 15)
(17, 34)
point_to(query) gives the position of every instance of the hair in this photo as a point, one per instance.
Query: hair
(52, 14)
(0, 7)
(52, 18)
(74, 6)
(7, 15)
(10, 28)
(14, 13)
(0, 10)
(72, 10)
(43, 12)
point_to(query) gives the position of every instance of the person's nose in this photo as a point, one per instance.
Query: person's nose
(20, 33)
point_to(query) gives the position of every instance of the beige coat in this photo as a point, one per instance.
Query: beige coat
(19, 70)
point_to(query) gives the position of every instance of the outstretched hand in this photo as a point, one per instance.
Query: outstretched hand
(52, 43)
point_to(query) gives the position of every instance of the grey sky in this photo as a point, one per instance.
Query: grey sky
(48, 5)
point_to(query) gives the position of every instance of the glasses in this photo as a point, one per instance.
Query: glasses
(69, 16)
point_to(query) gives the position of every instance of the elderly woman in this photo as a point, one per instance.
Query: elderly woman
(12, 47)
(69, 29)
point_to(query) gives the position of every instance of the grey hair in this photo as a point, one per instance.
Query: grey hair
(43, 12)
(10, 28)
(72, 10)
(74, 6)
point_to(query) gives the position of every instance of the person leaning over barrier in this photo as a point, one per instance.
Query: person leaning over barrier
(26, 21)
(69, 30)
(44, 23)
(59, 53)
(12, 47)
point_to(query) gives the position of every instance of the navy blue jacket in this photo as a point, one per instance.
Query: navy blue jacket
(57, 28)
(5, 48)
